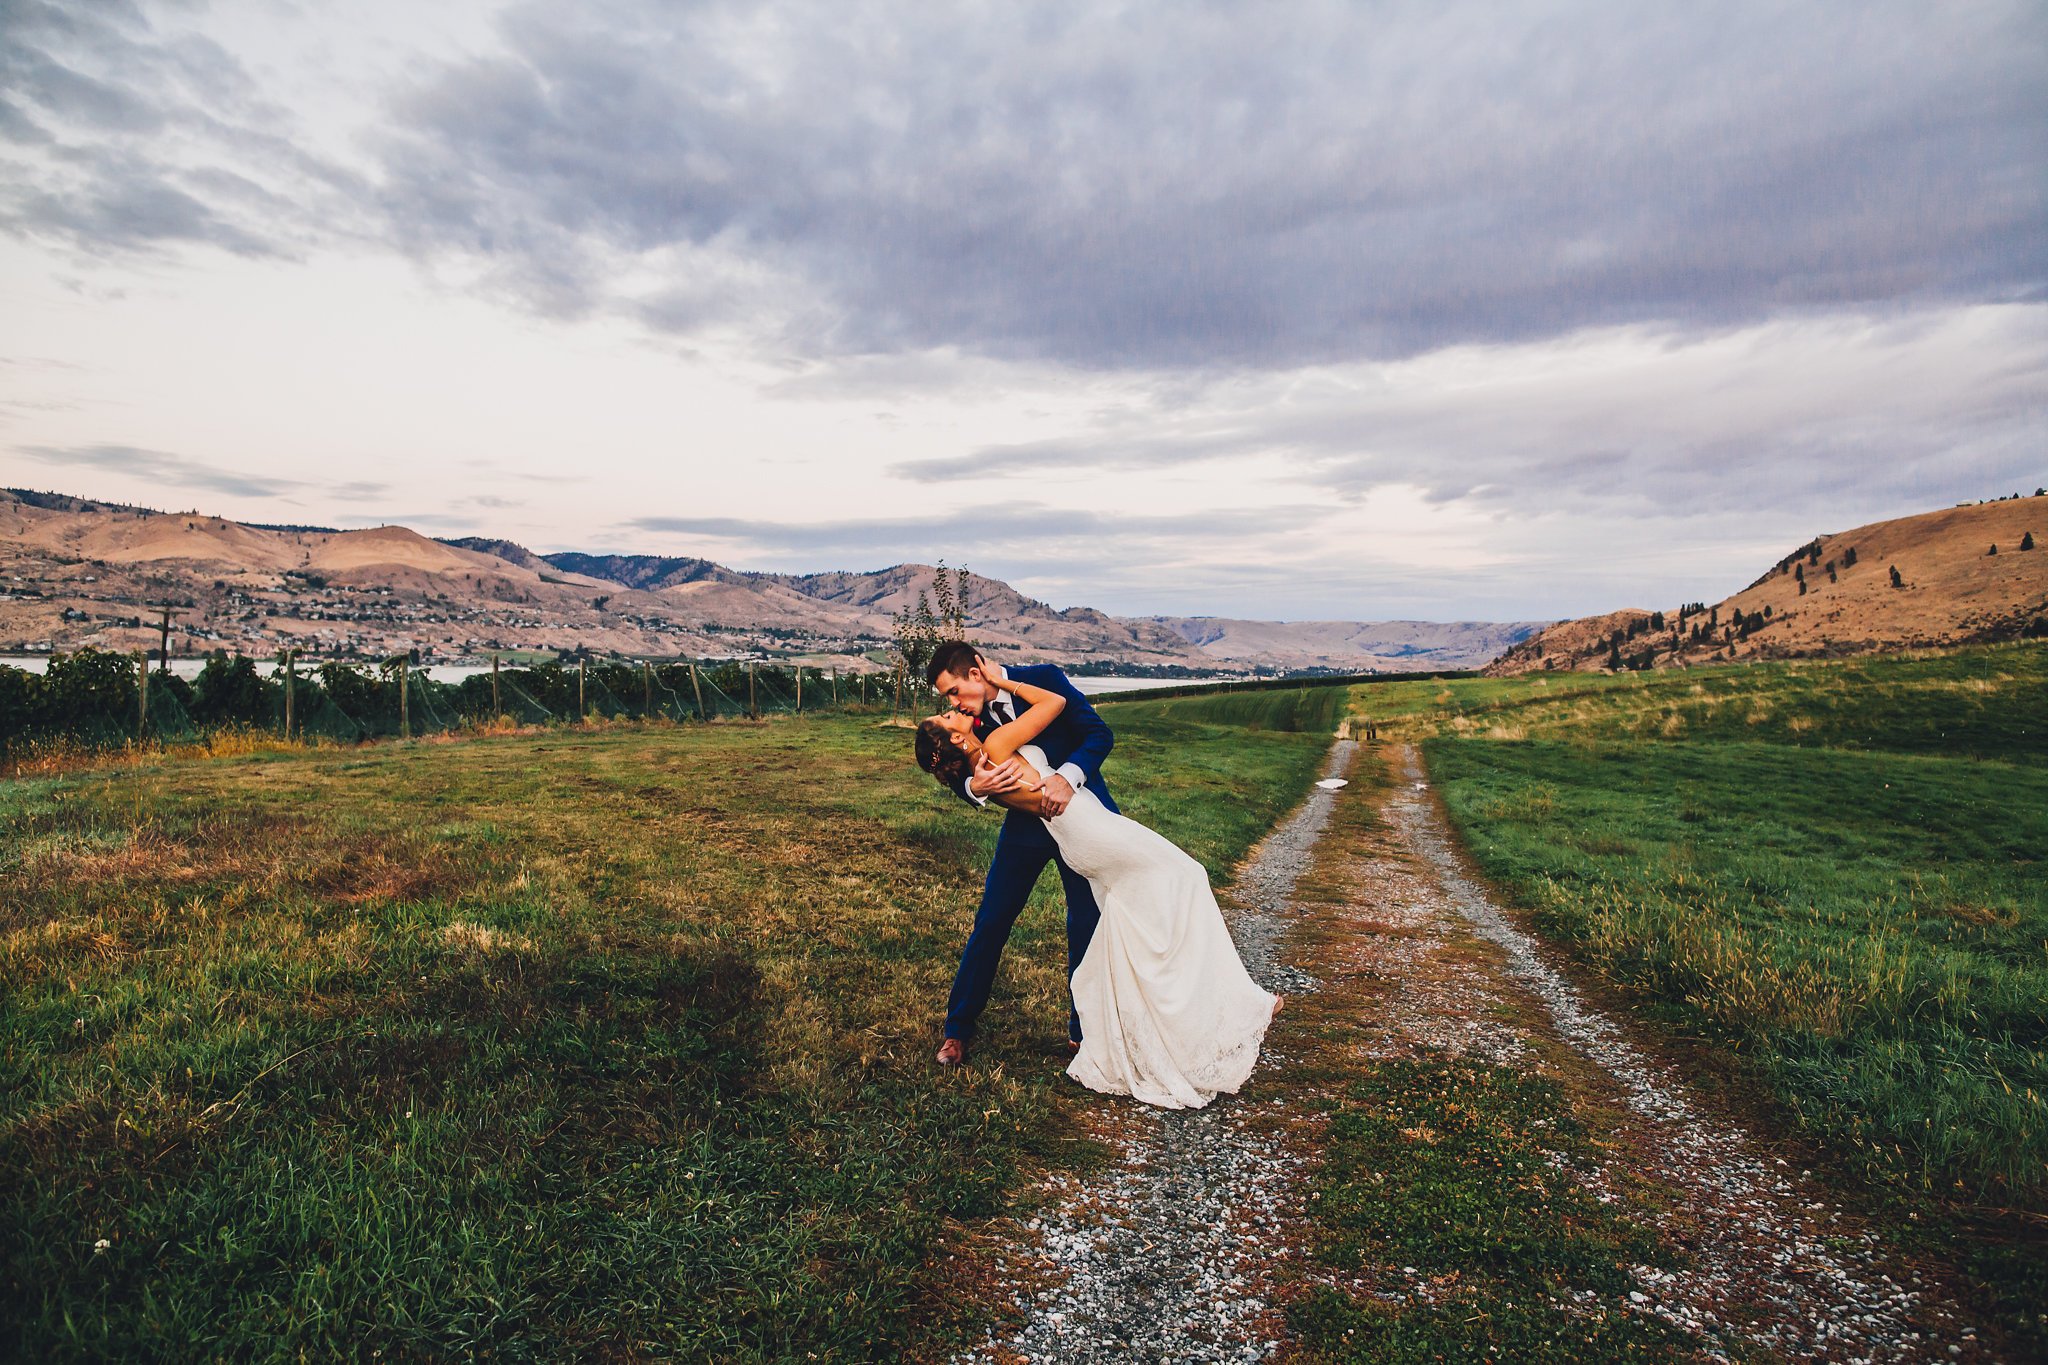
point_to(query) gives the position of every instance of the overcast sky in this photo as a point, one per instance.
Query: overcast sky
(1281, 310)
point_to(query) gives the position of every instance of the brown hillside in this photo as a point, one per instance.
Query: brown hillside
(77, 573)
(1951, 591)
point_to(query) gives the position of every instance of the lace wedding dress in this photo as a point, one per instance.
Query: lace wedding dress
(1168, 1013)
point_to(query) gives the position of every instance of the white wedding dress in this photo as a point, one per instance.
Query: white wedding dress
(1168, 1013)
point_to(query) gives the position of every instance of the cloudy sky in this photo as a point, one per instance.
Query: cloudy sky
(1280, 309)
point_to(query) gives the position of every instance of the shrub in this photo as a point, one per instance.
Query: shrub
(229, 691)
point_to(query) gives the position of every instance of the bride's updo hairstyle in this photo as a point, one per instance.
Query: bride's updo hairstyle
(938, 755)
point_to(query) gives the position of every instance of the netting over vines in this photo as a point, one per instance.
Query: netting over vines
(96, 698)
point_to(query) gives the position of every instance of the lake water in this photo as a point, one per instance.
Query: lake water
(189, 668)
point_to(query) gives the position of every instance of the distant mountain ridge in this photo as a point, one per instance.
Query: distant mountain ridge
(81, 572)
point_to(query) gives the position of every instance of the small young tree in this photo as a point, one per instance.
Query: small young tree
(1993, 550)
(1849, 558)
(920, 629)
(2027, 541)
(1897, 581)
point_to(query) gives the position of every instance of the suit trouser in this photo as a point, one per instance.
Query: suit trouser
(1022, 852)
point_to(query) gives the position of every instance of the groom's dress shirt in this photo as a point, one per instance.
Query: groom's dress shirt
(1002, 710)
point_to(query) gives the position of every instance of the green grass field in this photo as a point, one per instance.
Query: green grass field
(612, 1042)
(1830, 870)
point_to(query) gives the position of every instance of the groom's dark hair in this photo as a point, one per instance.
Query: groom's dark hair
(955, 657)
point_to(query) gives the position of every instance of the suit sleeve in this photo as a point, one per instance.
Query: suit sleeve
(1096, 739)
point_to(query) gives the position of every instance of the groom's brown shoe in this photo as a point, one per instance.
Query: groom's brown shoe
(952, 1052)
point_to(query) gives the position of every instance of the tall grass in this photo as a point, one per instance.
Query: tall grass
(1990, 701)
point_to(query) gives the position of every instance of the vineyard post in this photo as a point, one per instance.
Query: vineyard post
(896, 705)
(835, 684)
(582, 673)
(753, 697)
(799, 689)
(289, 690)
(164, 653)
(141, 694)
(404, 716)
(698, 688)
(646, 689)
(497, 709)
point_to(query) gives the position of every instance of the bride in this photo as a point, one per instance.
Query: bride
(1168, 1013)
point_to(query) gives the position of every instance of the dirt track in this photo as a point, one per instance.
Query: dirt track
(1184, 1247)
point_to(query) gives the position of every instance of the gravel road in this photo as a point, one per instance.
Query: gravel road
(1173, 1251)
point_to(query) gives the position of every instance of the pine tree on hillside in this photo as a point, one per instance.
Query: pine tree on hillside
(1614, 657)
(2027, 541)
(1897, 581)
(1993, 550)
(1849, 558)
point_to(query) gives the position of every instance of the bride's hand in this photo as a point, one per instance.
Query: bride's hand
(993, 779)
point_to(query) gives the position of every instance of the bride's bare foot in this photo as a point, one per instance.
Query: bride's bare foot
(1279, 1003)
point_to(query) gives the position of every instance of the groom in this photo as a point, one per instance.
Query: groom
(1076, 743)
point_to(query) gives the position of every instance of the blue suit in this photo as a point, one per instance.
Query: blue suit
(1078, 736)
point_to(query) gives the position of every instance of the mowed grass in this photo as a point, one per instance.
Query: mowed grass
(1312, 709)
(1831, 870)
(611, 1043)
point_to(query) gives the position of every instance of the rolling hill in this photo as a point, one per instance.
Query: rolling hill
(1961, 576)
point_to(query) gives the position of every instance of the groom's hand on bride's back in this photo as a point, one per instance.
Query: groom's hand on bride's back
(1054, 796)
(1006, 776)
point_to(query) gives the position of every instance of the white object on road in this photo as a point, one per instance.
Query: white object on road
(1332, 783)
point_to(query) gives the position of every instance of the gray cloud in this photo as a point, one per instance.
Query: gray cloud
(1128, 187)
(1145, 186)
(1011, 527)
(123, 135)
(1858, 413)
(177, 471)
